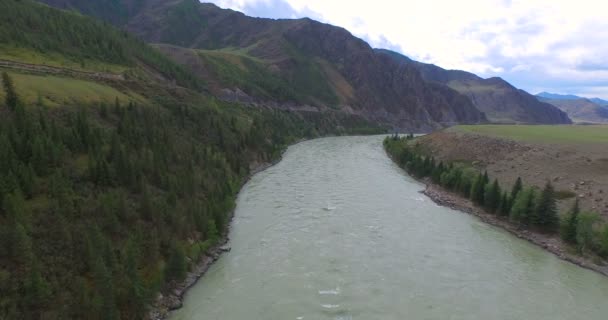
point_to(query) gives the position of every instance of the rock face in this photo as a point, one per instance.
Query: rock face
(499, 100)
(325, 66)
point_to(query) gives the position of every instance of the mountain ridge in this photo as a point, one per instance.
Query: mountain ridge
(317, 64)
(498, 99)
(557, 96)
(306, 55)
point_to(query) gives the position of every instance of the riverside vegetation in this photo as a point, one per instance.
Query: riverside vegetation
(107, 202)
(525, 207)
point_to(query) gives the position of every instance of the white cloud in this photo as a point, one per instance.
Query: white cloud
(489, 37)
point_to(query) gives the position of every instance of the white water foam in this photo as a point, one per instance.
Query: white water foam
(333, 292)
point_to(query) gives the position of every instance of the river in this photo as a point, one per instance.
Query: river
(337, 231)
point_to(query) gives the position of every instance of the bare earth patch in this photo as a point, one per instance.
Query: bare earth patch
(579, 169)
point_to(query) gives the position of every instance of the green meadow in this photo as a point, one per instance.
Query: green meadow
(55, 90)
(542, 133)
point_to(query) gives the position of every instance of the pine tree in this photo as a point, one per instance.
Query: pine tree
(568, 231)
(492, 196)
(36, 290)
(21, 247)
(436, 175)
(105, 290)
(585, 233)
(16, 208)
(477, 190)
(505, 204)
(136, 293)
(464, 186)
(176, 265)
(517, 187)
(545, 213)
(523, 207)
(11, 100)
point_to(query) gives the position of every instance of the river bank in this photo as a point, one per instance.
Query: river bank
(165, 303)
(551, 243)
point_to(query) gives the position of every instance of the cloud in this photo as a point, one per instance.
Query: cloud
(528, 42)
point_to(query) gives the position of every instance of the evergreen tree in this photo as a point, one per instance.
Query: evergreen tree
(570, 225)
(21, 247)
(505, 204)
(492, 196)
(10, 99)
(105, 290)
(486, 179)
(176, 265)
(465, 184)
(545, 213)
(604, 242)
(517, 187)
(477, 190)
(136, 293)
(585, 235)
(36, 290)
(523, 207)
(16, 208)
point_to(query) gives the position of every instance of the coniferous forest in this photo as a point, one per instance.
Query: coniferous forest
(103, 206)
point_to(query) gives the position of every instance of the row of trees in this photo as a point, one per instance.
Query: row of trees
(527, 207)
(103, 206)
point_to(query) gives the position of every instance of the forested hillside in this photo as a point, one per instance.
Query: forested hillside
(105, 204)
(38, 30)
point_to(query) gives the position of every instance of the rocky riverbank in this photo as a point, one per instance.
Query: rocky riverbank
(551, 243)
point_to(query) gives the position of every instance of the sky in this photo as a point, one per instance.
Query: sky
(558, 46)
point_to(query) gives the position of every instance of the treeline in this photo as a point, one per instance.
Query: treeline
(32, 25)
(103, 206)
(527, 207)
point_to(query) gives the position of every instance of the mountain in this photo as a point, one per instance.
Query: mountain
(290, 63)
(499, 100)
(555, 96)
(599, 101)
(581, 109)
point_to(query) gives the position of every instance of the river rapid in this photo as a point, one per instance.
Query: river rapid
(337, 231)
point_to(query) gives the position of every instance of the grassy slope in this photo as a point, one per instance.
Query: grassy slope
(309, 81)
(542, 133)
(31, 56)
(56, 91)
(249, 74)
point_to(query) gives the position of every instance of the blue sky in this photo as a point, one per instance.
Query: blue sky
(537, 45)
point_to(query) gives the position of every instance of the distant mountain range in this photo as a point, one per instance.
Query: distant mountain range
(303, 63)
(579, 109)
(556, 96)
